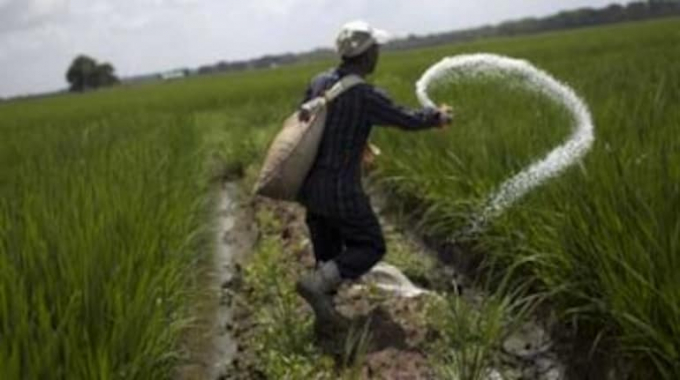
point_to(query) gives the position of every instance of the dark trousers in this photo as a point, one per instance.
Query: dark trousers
(355, 243)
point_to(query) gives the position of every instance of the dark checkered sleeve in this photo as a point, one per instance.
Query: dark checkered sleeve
(383, 111)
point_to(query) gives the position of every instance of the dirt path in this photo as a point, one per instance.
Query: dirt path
(389, 307)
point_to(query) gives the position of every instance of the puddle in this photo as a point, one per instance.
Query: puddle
(235, 237)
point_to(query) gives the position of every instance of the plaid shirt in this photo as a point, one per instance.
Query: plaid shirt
(333, 185)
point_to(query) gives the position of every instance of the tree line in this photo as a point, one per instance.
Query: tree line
(615, 13)
(582, 17)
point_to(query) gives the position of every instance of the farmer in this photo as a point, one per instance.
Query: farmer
(345, 233)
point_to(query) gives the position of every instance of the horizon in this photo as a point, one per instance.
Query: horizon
(42, 37)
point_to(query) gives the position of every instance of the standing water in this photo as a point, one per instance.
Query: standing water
(210, 345)
(234, 237)
(224, 343)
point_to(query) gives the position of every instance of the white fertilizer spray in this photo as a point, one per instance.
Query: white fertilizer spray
(577, 145)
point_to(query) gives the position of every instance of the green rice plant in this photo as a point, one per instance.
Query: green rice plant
(356, 346)
(471, 336)
(475, 326)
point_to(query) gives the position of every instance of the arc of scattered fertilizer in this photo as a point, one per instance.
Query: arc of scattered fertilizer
(555, 162)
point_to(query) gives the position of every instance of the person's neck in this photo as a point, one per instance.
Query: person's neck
(354, 69)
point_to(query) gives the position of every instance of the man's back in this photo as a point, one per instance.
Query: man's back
(333, 186)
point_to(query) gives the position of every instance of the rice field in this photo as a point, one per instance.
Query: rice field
(106, 199)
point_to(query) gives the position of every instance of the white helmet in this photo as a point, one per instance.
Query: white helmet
(357, 36)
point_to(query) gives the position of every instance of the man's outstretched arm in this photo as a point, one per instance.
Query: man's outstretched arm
(383, 111)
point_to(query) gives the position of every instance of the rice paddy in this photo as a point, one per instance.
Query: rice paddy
(106, 199)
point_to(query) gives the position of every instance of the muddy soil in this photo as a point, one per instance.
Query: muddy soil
(389, 326)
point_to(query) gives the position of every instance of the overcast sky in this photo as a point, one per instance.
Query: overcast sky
(39, 38)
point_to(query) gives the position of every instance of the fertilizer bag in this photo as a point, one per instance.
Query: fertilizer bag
(292, 153)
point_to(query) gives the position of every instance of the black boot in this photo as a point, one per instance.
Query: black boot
(317, 289)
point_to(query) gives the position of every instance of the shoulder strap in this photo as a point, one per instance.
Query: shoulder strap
(343, 85)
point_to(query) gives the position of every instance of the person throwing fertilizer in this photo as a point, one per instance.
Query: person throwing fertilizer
(346, 236)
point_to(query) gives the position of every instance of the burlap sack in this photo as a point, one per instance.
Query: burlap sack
(294, 149)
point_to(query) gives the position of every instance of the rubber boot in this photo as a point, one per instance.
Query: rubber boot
(317, 288)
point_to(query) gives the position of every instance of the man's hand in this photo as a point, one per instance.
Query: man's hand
(304, 114)
(445, 115)
(370, 153)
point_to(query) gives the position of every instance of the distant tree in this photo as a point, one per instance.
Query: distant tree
(86, 74)
(106, 75)
(80, 72)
